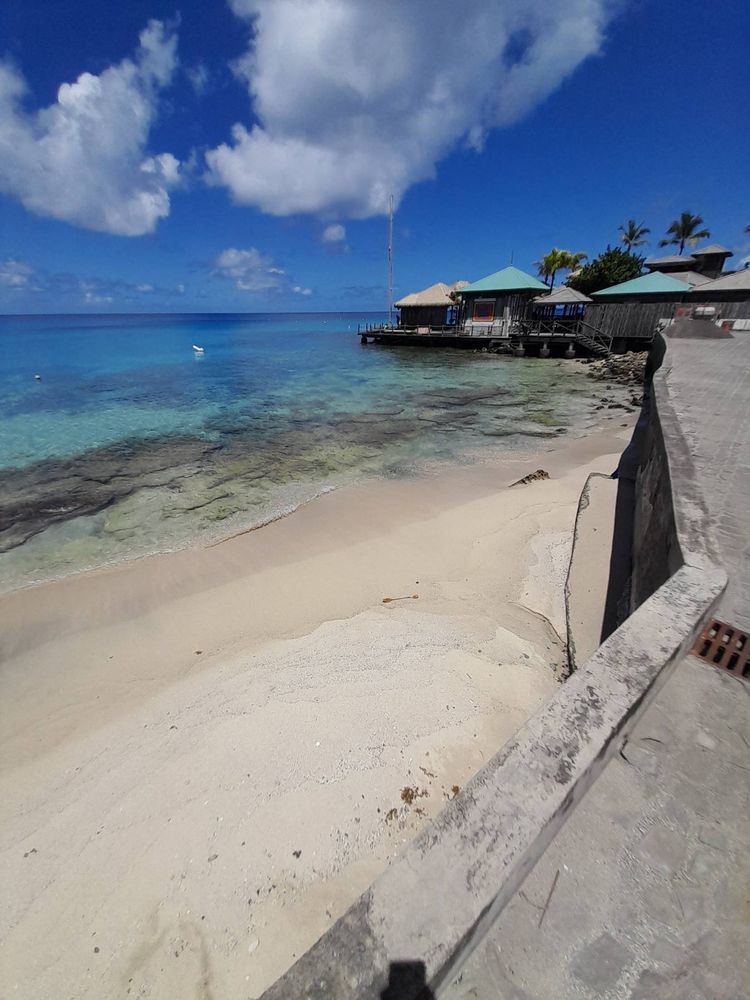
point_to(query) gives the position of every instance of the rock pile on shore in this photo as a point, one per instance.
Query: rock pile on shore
(625, 369)
(619, 369)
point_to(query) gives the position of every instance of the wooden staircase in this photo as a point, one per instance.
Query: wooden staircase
(593, 340)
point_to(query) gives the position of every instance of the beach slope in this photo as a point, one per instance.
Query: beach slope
(208, 755)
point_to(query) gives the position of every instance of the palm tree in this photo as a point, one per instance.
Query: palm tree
(549, 265)
(685, 230)
(558, 260)
(632, 234)
(574, 260)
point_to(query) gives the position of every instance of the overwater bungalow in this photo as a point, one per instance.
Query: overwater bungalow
(507, 310)
(436, 306)
(494, 305)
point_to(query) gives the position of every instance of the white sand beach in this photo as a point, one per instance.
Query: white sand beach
(208, 755)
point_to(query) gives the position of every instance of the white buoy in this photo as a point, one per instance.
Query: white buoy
(38, 378)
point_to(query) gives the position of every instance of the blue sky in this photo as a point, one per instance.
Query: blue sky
(239, 157)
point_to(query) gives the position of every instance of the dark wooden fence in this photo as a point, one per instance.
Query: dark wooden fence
(631, 320)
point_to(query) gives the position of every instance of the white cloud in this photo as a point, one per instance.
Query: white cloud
(15, 274)
(334, 234)
(357, 100)
(255, 272)
(92, 299)
(250, 270)
(84, 159)
(144, 288)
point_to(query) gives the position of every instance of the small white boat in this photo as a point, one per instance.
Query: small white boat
(199, 350)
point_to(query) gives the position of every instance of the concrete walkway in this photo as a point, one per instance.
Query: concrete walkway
(645, 893)
(651, 873)
(709, 382)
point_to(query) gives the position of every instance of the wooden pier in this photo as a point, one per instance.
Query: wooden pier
(539, 337)
(602, 329)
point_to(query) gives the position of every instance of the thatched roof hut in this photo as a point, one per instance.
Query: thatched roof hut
(433, 306)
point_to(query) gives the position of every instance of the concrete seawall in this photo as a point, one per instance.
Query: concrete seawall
(421, 919)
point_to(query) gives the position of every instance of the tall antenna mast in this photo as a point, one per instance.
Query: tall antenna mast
(390, 261)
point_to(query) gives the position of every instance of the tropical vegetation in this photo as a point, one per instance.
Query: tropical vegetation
(685, 230)
(558, 260)
(609, 268)
(621, 263)
(633, 234)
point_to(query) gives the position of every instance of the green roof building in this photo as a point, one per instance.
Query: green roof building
(653, 287)
(494, 306)
(509, 279)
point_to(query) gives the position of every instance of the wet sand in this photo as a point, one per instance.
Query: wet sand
(207, 755)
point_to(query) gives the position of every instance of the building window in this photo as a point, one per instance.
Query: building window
(484, 310)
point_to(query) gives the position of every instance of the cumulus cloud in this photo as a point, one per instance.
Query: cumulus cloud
(356, 100)
(84, 159)
(253, 271)
(334, 234)
(250, 270)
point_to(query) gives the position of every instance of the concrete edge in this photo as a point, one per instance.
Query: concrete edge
(583, 502)
(435, 903)
(695, 534)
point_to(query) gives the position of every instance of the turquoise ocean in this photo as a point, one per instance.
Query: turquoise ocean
(131, 443)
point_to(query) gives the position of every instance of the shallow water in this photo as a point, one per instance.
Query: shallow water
(131, 443)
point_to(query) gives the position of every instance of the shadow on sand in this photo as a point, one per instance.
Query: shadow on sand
(407, 981)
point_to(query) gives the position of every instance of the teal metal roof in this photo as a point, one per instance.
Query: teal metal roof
(655, 283)
(509, 279)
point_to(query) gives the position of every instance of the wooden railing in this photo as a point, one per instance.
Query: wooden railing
(375, 328)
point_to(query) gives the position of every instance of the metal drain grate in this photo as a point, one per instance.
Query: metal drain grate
(724, 646)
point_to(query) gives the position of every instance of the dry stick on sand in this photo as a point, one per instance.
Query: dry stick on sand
(409, 597)
(549, 897)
